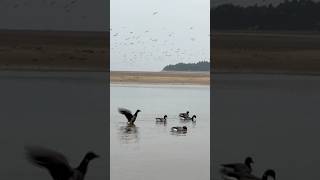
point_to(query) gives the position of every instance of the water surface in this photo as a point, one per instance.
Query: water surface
(273, 118)
(62, 111)
(149, 150)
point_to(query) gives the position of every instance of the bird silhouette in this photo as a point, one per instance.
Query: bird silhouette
(227, 175)
(240, 167)
(130, 117)
(57, 164)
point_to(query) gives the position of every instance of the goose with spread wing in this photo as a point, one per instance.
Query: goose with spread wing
(130, 117)
(57, 164)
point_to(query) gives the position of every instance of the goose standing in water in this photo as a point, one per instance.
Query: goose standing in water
(184, 115)
(240, 167)
(228, 175)
(164, 119)
(190, 118)
(57, 165)
(179, 129)
(131, 118)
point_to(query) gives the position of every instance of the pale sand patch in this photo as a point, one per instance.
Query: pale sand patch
(196, 78)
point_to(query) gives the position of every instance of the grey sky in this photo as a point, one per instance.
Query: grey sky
(80, 15)
(146, 35)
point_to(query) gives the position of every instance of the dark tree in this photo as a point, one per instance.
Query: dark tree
(200, 66)
(288, 15)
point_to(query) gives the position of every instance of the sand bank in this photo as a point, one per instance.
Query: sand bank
(266, 52)
(197, 78)
(54, 50)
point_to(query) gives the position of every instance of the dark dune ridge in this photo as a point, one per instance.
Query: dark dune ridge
(54, 50)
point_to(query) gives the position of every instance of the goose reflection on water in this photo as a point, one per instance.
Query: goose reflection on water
(129, 133)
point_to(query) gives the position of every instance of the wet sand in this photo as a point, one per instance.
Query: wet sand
(266, 52)
(196, 78)
(54, 50)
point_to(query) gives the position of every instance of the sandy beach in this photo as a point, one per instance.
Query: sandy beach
(53, 50)
(196, 78)
(266, 52)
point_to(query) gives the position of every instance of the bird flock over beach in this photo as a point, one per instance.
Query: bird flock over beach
(243, 171)
(131, 45)
(131, 118)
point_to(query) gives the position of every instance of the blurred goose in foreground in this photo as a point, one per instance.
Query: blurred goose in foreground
(240, 167)
(179, 129)
(57, 165)
(164, 119)
(131, 118)
(184, 115)
(190, 118)
(228, 175)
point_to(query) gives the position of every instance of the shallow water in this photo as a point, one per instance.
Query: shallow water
(61, 111)
(273, 118)
(149, 150)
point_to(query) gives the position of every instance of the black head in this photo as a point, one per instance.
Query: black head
(248, 161)
(268, 173)
(185, 128)
(165, 116)
(138, 110)
(187, 112)
(91, 155)
(194, 116)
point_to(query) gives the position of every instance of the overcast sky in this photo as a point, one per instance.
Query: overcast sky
(80, 15)
(146, 35)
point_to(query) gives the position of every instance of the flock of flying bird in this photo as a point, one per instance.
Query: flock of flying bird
(130, 46)
(180, 129)
(243, 171)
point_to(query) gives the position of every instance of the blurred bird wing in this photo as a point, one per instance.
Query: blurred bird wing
(55, 162)
(126, 112)
(237, 167)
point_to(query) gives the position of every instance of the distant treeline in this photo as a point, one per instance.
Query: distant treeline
(288, 15)
(200, 66)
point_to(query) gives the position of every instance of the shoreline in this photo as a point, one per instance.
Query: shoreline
(156, 78)
(272, 52)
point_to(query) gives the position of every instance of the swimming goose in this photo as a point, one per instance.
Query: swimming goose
(179, 129)
(190, 118)
(184, 115)
(131, 118)
(240, 167)
(228, 175)
(164, 119)
(57, 165)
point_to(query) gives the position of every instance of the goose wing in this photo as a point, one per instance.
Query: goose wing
(126, 112)
(237, 167)
(228, 175)
(55, 162)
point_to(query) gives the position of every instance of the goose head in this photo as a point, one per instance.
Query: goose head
(268, 173)
(194, 116)
(187, 112)
(184, 128)
(138, 111)
(165, 116)
(90, 156)
(248, 161)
